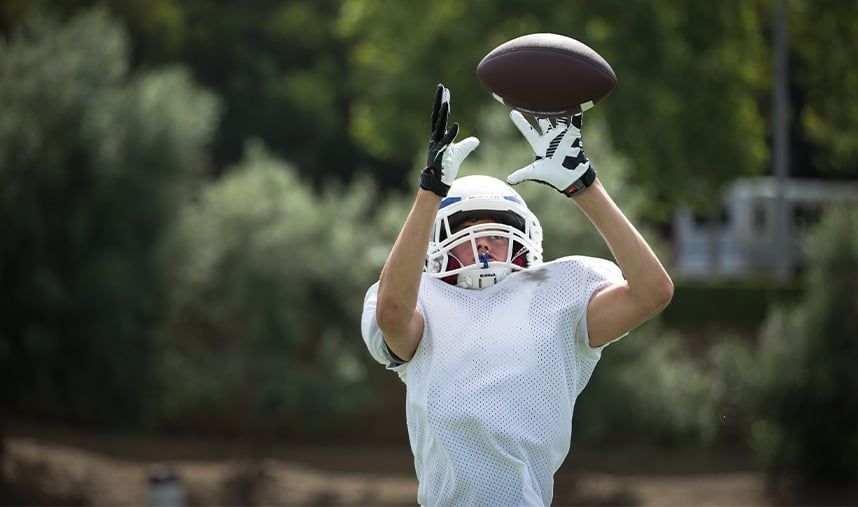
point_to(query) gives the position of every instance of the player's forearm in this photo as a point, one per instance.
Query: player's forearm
(648, 280)
(400, 277)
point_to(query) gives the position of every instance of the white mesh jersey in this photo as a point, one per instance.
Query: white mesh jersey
(491, 388)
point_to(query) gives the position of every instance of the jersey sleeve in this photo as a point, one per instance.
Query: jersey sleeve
(600, 273)
(372, 333)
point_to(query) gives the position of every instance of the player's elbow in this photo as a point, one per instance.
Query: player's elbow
(662, 292)
(392, 319)
(400, 329)
(653, 295)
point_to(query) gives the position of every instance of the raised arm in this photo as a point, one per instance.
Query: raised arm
(647, 290)
(562, 164)
(397, 314)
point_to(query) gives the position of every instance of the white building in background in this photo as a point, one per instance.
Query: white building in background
(745, 234)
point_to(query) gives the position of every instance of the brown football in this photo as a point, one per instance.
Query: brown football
(546, 74)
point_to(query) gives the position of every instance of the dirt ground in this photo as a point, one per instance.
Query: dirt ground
(49, 466)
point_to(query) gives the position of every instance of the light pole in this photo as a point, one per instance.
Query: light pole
(781, 244)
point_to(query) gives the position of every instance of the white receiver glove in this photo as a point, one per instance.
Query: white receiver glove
(560, 160)
(445, 156)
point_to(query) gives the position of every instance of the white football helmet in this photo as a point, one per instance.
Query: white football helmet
(476, 198)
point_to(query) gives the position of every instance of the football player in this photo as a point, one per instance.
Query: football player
(493, 344)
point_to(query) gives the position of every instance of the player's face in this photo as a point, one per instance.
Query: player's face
(496, 246)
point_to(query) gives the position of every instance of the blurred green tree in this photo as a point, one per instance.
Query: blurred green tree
(94, 164)
(279, 66)
(685, 109)
(340, 87)
(824, 38)
(283, 72)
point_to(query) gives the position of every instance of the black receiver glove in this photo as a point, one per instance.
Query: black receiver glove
(445, 156)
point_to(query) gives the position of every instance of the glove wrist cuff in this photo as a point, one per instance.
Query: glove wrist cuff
(581, 184)
(431, 182)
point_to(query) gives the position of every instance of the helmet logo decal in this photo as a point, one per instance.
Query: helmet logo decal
(449, 200)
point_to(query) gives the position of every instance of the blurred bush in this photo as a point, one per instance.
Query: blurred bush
(649, 389)
(790, 397)
(806, 380)
(94, 163)
(265, 330)
(727, 303)
(136, 294)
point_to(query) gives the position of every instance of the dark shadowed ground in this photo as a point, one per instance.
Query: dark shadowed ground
(54, 466)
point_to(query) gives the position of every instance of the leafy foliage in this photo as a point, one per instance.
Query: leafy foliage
(807, 387)
(94, 162)
(685, 107)
(281, 68)
(267, 306)
(825, 37)
(341, 87)
(650, 388)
